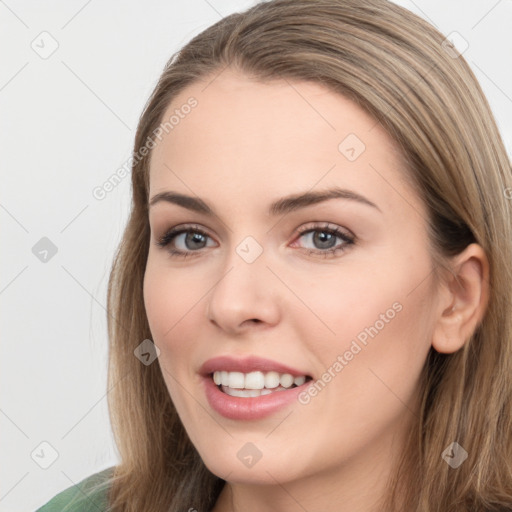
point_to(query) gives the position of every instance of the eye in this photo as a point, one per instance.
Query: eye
(323, 238)
(192, 239)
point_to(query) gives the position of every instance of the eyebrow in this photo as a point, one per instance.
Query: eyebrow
(281, 206)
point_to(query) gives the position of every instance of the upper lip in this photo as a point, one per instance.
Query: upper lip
(247, 364)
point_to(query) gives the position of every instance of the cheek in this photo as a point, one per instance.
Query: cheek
(171, 300)
(370, 335)
(170, 297)
(378, 318)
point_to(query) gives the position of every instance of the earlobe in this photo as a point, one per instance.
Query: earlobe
(463, 299)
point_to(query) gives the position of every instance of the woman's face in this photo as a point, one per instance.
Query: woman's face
(268, 284)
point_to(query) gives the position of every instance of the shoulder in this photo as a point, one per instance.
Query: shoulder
(88, 495)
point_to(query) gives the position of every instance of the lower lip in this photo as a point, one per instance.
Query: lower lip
(250, 408)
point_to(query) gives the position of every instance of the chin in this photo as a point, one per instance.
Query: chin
(230, 467)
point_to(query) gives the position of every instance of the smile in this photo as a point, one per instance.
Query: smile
(256, 383)
(251, 387)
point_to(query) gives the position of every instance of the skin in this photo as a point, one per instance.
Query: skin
(246, 144)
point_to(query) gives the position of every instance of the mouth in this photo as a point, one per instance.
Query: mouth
(255, 383)
(251, 388)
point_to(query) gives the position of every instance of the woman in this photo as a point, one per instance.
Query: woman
(339, 339)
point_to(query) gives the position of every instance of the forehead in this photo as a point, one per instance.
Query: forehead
(258, 138)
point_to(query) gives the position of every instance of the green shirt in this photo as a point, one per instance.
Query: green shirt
(85, 496)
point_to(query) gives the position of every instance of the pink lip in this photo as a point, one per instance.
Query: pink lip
(246, 365)
(251, 408)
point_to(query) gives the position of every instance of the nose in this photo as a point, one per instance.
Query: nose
(244, 296)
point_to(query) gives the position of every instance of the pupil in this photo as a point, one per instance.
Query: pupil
(195, 238)
(329, 236)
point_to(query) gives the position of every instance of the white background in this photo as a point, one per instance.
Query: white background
(68, 124)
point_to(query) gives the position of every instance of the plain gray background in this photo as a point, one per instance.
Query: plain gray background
(68, 121)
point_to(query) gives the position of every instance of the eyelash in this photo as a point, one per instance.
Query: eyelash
(348, 240)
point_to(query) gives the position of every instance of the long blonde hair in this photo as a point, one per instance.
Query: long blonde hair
(396, 67)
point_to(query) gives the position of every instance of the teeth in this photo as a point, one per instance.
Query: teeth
(247, 393)
(256, 381)
(236, 380)
(272, 380)
(286, 380)
(298, 381)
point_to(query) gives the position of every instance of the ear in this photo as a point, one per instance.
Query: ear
(463, 298)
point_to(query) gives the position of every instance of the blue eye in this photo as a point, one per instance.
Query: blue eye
(325, 237)
(195, 238)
